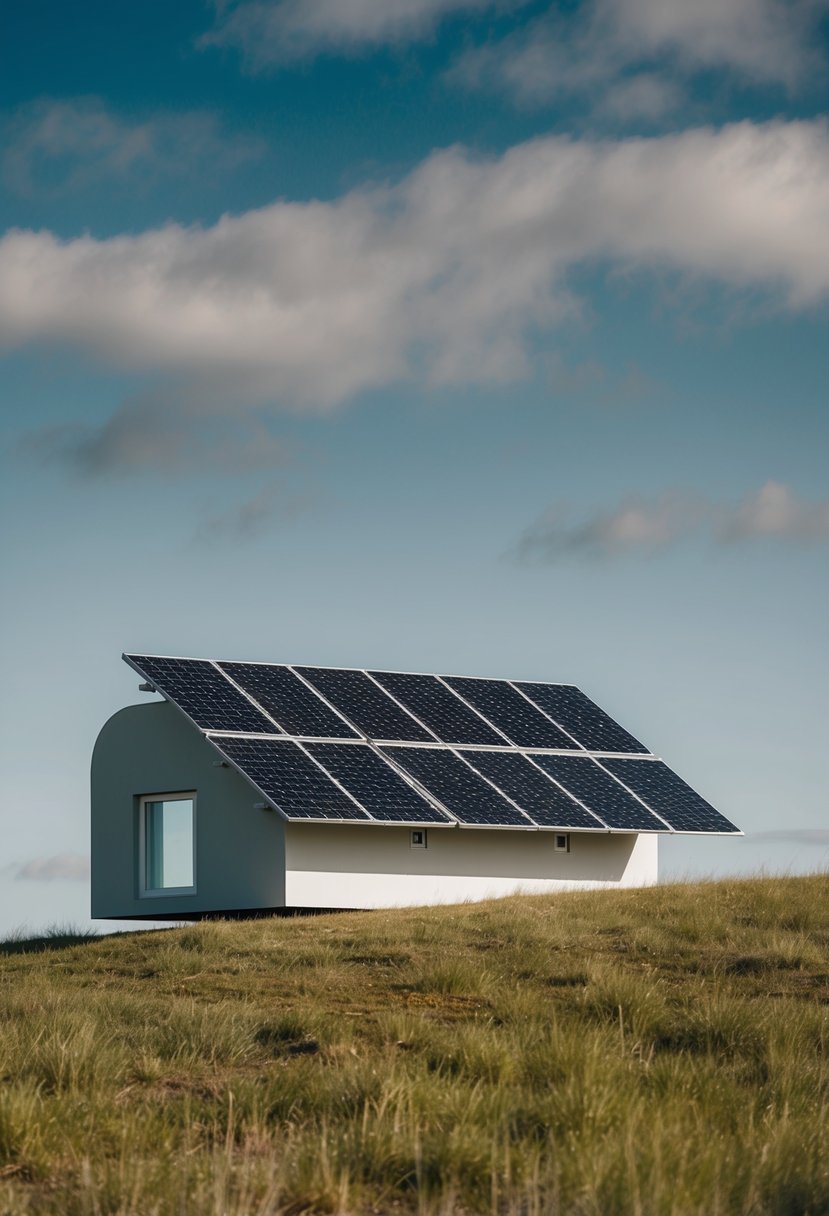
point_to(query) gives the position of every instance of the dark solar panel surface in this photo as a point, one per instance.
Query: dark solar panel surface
(375, 784)
(297, 709)
(439, 709)
(288, 776)
(573, 710)
(283, 772)
(597, 790)
(371, 710)
(665, 791)
(204, 694)
(457, 787)
(505, 708)
(532, 790)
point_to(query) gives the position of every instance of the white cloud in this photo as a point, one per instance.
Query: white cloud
(51, 146)
(776, 511)
(634, 526)
(448, 275)
(60, 867)
(766, 40)
(276, 31)
(648, 96)
(643, 527)
(628, 58)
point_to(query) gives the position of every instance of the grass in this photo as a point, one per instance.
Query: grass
(651, 1052)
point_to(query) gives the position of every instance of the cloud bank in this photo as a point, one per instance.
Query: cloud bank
(277, 31)
(563, 49)
(53, 146)
(449, 275)
(775, 511)
(640, 526)
(631, 59)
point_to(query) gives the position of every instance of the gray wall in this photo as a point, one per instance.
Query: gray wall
(240, 851)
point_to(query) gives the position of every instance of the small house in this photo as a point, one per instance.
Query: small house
(265, 787)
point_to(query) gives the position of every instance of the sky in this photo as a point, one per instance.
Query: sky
(472, 336)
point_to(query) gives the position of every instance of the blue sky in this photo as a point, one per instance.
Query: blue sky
(460, 335)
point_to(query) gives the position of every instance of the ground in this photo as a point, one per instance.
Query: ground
(663, 1051)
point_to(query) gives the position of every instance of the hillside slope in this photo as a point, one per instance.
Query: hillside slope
(660, 1051)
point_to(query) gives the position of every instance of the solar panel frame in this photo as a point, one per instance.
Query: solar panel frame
(576, 816)
(626, 768)
(418, 731)
(534, 718)
(488, 735)
(257, 717)
(627, 816)
(229, 747)
(233, 673)
(533, 689)
(269, 729)
(517, 819)
(332, 756)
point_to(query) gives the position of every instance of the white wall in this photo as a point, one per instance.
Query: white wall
(240, 861)
(331, 866)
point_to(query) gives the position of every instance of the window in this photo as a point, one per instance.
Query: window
(418, 838)
(167, 844)
(562, 842)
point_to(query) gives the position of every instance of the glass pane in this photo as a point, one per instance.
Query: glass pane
(169, 843)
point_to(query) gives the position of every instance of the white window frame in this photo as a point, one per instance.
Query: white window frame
(421, 844)
(145, 892)
(564, 837)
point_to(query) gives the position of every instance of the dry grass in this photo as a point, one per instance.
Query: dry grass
(652, 1052)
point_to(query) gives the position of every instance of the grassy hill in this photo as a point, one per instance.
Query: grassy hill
(650, 1052)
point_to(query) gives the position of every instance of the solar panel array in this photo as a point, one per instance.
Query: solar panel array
(352, 746)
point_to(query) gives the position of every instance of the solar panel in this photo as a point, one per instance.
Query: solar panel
(205, 695)
(503, 705)
(501, 772)
(587, 781)
(377, 786)
(665, 791)
(371, 710)
(465, 793)
(297, 709)
(573, 710)
(437, 707)
(289, 778)
(547, 804)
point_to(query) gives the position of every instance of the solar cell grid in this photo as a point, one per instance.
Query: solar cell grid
(524, 724)
(375, 784)
(283, 772)
(204, 694)
(281, 692)
(547, 804)
(457, 787)
(437, 707)
(585, 780)
(670, 796)
(574, 710)
(371, 710)
(572, 791)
